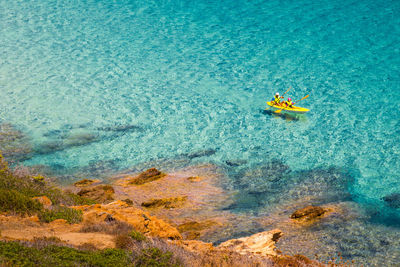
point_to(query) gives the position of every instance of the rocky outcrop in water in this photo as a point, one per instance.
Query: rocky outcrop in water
(147, 177)
(308, 213)
(14, 145)
(202, 153)
(168, 203)
(392, 200)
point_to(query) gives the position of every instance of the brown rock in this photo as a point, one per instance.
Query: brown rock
(46, 202)
(309, 212)
(262, 244)
(100, 193)
(147, 176)
(197, 226)
(192, 230)
(85, 182)
(194, 178)
(140, 220)
(172, 202)
(194, 245)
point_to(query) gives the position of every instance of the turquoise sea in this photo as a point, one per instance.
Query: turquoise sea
(103, 86)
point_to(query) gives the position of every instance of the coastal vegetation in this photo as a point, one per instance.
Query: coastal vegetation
(135, 238)
(19, 188)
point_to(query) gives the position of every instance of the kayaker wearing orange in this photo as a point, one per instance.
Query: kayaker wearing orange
(277, 99)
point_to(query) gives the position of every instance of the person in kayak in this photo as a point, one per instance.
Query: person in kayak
(289, 103)
(277, 99)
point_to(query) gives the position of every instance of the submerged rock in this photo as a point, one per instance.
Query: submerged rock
(194, 229)
(49, 147)
(259, 179)
(80, 139)
(65, 141)
(309, 212)
(147, 176)
(14, 145)
(235, 163)
(121, 128)
(392, 200)
(202, 153)
(169, 203)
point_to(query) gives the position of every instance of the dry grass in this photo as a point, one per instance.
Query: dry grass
(183, 257)
(112, 228)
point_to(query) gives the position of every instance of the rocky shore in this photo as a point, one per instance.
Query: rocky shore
(181, 208)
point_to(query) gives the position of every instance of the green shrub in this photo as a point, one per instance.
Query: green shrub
(14, 201)
(78, 200)
(138, 236)
(20, 179)
(15, 254)
(68, 214)
(155, 257)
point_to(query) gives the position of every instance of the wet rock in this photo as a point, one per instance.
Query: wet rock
(168, 203)
(259, 244)
(45, 201)
(147, 176)
(100, 193)
(308, 213)
(202, 153)
(392, 200)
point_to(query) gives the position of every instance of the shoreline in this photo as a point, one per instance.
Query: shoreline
(235, 204)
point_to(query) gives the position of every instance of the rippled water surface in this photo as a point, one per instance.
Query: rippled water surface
(123, 83)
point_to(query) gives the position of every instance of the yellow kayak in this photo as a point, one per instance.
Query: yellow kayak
(292, 110)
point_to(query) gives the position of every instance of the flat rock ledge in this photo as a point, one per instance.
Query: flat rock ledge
(262, 244)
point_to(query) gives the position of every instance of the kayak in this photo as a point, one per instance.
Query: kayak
(287, 110)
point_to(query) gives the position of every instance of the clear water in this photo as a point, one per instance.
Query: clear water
(129, 82)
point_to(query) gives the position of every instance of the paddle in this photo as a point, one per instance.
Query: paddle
(280, 110)
(281, 96)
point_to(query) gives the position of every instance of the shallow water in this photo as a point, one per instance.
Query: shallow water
(131, 82)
